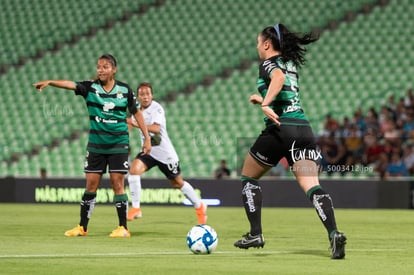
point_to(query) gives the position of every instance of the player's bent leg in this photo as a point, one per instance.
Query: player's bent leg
(135, 191)
(137, 168)
(189, 192)
(306, 172)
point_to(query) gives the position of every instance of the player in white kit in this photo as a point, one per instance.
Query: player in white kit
(162, 155)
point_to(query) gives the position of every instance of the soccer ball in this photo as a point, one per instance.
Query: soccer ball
(202, 239)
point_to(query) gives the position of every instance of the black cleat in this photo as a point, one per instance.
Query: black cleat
(250, 241)
(338, 246)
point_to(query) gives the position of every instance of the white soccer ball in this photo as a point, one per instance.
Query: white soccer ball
(202, 239)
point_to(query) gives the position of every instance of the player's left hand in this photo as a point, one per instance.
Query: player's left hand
(271, 114)
(256, 99)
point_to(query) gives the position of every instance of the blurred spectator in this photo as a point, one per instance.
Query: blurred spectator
(408, 127)
(408, 158)
(354, 145)
(385, 115)
(381, 165)
(409, 99)
(222, 171)
(373, 149)
(331, 124)
(386, 125)
(43, 173)
(391, 104)
(371, 120)
(280, 169)
(393, 134)
(334, 153)
(382, 138)
(396, 167)
(359, 120)
(344, 128)
(400, 110)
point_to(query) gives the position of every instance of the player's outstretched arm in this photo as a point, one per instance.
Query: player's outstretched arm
(64, 84)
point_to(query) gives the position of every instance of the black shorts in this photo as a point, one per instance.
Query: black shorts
(292, 142)
(97, 163)
(171, 170)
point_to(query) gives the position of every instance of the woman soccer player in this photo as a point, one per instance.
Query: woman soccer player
(163, 155)
(287, 134)
(107, 101)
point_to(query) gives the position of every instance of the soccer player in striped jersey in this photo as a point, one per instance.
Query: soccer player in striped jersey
(287, 134)
(163, 155)
(108, 101)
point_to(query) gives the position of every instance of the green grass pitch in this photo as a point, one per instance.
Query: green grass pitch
(32, 242)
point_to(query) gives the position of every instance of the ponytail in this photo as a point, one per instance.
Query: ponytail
(289, 43)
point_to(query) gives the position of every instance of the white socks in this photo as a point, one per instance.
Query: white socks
(135, 189)
(190, 194)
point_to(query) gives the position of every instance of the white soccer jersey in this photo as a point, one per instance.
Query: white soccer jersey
(164, 152)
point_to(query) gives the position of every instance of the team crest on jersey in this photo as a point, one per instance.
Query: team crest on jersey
(119, 95)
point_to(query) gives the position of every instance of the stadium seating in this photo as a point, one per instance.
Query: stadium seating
(29, 27)
(183, 42)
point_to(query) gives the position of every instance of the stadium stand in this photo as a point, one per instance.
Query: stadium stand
(195, 53)
(33, 27)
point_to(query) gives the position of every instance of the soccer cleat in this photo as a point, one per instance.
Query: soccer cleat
(248, 241)
(76, 231)
(120, 232)
(134, 213)
(201, 213)
(338, 246)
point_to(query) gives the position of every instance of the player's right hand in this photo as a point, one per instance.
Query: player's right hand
(146, 147)
(41, 84)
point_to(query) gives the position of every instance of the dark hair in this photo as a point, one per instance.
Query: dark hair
(288, 43)
(110, 58)
(144, 84)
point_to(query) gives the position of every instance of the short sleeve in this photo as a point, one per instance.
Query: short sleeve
(132, 101)
(82, 88)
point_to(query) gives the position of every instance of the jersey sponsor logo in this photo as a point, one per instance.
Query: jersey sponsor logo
(98, 119)
(108, 106)
(302, 154)
(317, 202)
(247, 191)
(291, 108)
(260, 156)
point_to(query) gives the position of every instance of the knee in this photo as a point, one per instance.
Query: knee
(175, 183)
(117, 182)
(137, 168)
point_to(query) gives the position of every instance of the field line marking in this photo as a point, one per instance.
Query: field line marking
(65, 255)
